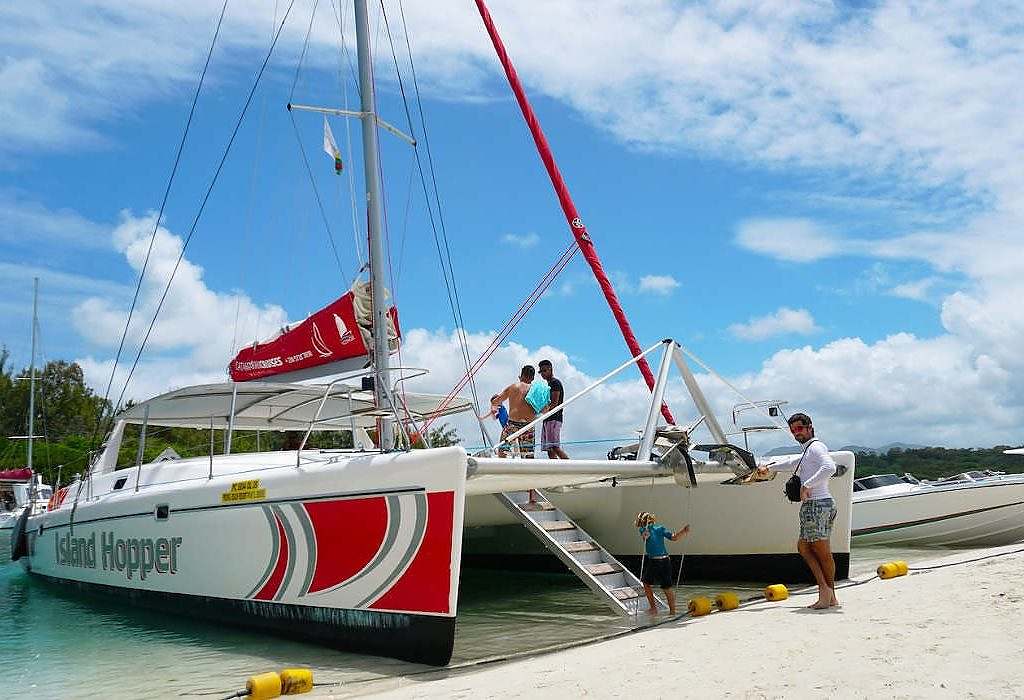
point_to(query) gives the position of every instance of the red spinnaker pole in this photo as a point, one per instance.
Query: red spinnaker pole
(579, 231)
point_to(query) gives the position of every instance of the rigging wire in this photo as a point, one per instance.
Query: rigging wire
(247, 231)
(445, 259)
(160, 213)
(206, 198)
(302, 149)
(345, 57)
(510, 324)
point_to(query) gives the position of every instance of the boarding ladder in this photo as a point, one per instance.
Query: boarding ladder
(610, 581)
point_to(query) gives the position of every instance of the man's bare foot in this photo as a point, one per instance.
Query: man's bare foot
(820, 605)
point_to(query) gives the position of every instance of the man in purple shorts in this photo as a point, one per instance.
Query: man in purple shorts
(551, 434)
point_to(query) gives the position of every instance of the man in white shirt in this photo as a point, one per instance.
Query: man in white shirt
(815, 467)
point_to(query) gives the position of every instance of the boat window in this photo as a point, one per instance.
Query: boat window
(873, 482)
(163, 511)
(45, 492)
(119, 484)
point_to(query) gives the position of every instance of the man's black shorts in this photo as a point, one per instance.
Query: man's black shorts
(658, 571)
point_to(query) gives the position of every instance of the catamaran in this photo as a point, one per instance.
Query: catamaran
(361, 549)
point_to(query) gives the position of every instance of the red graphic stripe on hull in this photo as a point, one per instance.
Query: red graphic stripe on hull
(426, 584)
(348, 534)
(269, 589)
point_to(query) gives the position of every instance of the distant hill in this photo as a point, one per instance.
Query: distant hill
(884, 449)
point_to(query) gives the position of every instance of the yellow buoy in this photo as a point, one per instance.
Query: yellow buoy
(700, 606)
(727, 601)
(776, 592)
(295, 681)
(892, 569)
(264, 686)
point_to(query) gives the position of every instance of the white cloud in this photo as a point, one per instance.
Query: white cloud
(662, 285)
(524, 241)
(795, 240)
(917, 290)
(195, 333)
(783, 322)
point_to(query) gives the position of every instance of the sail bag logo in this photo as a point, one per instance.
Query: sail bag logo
(343, 332)
(318, 343)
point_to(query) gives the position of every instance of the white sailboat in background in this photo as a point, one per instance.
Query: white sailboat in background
(362, 549)
(22, 490)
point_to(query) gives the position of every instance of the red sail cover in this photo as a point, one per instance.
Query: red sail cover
(329, 336)
(16, 474)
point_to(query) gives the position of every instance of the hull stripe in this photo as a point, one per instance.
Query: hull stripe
(926, 521)
(269, 501)
(420, 528)
(290, 567)
(275, 546)
(307, 530)
(394, 520)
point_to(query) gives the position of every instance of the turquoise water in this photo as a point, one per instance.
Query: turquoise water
(58, 645)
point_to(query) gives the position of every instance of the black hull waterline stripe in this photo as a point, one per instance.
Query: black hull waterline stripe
(419, 638)
(926, 521)
(250, 504)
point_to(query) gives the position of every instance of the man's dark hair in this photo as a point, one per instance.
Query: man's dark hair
(544, 363)
(799, 418)
(528, 372)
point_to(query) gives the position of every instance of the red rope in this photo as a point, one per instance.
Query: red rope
(579, 231)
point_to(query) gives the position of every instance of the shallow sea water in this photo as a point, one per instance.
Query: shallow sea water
(58, 645)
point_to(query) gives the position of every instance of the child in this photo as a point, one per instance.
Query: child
(657, 567)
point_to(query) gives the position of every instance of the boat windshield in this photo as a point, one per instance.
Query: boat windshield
(873, 482)
(44, 493)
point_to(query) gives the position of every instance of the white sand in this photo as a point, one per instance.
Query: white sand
(951, 632)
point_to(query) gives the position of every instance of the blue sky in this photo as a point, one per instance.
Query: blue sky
(822, 202)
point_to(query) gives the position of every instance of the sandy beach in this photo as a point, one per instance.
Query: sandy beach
(954, 631)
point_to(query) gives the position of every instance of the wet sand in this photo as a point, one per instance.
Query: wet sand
(956, 631)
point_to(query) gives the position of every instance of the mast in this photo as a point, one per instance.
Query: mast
(579, 231)
(371, 170)
(32, 380)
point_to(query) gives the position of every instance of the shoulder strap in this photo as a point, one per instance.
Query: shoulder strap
(803, 454)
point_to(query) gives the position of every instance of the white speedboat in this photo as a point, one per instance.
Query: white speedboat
(974, 509)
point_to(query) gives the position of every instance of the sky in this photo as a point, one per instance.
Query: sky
(822, 202)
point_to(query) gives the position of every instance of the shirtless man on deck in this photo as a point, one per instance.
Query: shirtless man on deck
(519, 412)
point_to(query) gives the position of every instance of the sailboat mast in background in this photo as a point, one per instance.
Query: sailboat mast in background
(32, 373)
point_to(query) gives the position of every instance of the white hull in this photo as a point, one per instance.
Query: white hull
(974, 514)
(740, 531)
(361, 552)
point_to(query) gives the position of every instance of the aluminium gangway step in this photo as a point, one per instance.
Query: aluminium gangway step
(612, 582)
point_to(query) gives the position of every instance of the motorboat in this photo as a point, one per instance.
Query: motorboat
(972, 509)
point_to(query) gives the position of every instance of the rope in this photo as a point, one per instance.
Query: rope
(159, 216)
(305, 158)
(510, 325)
(206, 198)
(445, 259)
